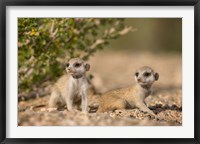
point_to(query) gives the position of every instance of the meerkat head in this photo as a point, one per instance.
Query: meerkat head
(77, 67)
(146, 76)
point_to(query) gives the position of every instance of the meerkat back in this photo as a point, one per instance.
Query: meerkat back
(59, 91)
(62, 85)
(114, 99)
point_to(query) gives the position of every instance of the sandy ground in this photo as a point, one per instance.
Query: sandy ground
(111, 71)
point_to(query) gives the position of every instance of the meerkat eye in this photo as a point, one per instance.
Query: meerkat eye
(67, 65)
(146, 74)
(136, 74)
(77, 65)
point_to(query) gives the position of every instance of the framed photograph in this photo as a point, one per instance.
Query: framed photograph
(99, 71)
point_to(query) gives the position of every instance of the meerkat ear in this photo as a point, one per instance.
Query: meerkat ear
(87, 67)
(156, 76)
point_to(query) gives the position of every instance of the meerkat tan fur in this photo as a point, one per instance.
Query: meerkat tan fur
(132, 96)
(73, 87)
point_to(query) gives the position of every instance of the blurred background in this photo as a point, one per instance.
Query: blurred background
(152, 34)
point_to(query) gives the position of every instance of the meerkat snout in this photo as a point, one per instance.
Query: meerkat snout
(146, 76)
(69, 70)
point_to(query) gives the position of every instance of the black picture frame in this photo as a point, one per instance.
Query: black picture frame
(5, 3)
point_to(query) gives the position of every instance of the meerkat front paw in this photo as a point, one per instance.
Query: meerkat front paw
(84, 112)
(69, 108)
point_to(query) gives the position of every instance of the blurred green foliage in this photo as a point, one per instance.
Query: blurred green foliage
(45, 44)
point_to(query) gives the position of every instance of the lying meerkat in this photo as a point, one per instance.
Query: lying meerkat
(73, 87)
(133, 96)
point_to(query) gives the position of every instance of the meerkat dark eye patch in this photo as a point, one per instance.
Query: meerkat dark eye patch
(146, 74)
(77, 65)
(137, 74)
(67, 65)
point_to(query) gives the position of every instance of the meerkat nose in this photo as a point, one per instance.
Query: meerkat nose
(139, 79)
(69, 69)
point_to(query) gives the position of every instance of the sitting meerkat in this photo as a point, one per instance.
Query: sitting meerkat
(73, 87)
(132, 96)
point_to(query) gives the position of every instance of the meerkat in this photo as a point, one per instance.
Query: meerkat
(132, 96)
(73, 86)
